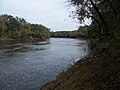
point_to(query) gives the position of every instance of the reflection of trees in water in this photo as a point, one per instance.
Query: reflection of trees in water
(10, 51)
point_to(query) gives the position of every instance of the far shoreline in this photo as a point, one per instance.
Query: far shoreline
(23, 39)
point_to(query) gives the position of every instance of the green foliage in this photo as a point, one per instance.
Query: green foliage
(18, 28)
(104, 29)
(82, 32)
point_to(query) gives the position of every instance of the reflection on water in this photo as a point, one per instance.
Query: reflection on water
(28, 65)
(9, 49)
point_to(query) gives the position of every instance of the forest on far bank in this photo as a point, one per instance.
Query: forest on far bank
(82, 32)
(18, 28)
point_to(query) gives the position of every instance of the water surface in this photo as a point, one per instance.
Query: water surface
(27, 66)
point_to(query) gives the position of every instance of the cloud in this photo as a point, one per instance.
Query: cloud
(51, 13)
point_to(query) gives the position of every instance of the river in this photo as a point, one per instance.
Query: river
(27, 66)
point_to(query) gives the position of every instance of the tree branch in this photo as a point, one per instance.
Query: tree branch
(100, 16)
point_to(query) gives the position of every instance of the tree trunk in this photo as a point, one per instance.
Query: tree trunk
(100, 16)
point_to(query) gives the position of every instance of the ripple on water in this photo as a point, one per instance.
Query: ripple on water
(27, 66)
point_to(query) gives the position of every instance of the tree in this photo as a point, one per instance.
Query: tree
(104, 28)
(18, 28)
(2, 26)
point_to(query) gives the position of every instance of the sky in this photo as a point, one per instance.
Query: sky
(53, 14)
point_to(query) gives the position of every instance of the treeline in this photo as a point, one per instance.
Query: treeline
(82, 32)
(18, 28)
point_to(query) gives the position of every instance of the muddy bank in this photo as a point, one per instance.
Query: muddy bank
(21, 40)
(89, 73)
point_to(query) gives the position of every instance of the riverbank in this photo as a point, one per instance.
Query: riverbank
(89, 73)
(30, 39)
(6, 39)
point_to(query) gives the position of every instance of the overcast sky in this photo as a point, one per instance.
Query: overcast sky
(53, 14)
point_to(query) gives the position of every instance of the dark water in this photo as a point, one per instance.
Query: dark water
(27, 66)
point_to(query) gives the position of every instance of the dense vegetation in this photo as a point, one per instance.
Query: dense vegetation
(17, 28)
(82, 32)
(100, 70)
(104, 30)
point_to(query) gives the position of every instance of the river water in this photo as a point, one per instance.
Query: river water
(27, 66)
